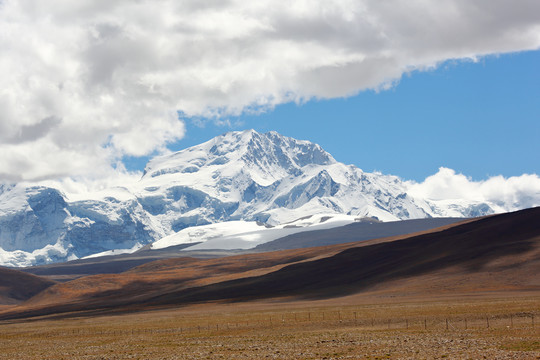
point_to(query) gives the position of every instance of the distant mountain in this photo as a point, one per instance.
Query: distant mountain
(243, 176)
(268, 178)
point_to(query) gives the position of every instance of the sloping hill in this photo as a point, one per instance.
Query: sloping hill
(365, 230)
(496, 253)
(17, 286)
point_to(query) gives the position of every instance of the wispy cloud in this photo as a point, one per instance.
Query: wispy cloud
(85, 82)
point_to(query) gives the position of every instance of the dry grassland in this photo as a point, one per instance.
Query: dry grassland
(477, 328)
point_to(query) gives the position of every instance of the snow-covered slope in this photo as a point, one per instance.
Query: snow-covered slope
(41, 225)
(247, 234)
(239, 177)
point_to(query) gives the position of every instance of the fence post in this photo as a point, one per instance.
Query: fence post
(511, 321)
(425, 324)
(465, 323)
(487, 322)
(446, 324)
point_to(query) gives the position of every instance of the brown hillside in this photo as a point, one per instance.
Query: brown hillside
(153, 279)
(17, 286)
(496, 253)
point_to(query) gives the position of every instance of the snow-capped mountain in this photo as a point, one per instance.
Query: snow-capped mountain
(268, 178)
(239, 176)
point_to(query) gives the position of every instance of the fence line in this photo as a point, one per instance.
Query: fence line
(335, 319)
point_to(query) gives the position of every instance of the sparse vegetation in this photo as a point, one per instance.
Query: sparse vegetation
(310, 330)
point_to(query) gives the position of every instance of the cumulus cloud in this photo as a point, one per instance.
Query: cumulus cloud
(523, 191)
(85, 82)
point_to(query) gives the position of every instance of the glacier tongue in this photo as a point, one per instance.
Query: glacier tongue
(245, 177)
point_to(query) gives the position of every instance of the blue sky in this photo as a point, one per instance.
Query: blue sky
(479, 118)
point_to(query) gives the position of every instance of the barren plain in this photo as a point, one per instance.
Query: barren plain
(488, 326)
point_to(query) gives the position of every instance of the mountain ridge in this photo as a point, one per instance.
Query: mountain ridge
(238, 176)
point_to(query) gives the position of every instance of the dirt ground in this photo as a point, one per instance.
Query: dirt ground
(351, 328)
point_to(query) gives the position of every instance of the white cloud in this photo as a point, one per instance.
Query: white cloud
(523, 191)
(85, 82)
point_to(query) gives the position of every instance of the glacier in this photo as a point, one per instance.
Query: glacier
(246, 178)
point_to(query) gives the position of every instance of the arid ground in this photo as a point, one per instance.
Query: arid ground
(489, 326)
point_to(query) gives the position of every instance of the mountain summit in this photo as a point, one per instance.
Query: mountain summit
(242, 176)
(269, 178)
(265, 158)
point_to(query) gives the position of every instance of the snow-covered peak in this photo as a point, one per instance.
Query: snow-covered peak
(265, 158)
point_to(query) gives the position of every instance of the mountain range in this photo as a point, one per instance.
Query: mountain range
(256, 183)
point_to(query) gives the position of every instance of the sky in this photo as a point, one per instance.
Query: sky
(92, 89)
(480, 118)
